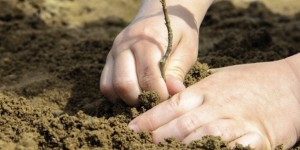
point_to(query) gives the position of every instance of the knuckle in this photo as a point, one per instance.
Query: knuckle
(148, 31)
(187, 125)
(148, 124)
(156, 35)
(175, 104)
(212, 130)
(151, 32)
(120, 45)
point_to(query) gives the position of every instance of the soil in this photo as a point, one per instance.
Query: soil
(49, 76)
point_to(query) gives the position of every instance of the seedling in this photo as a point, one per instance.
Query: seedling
(162, 62)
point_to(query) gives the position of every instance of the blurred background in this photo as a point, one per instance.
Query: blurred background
(75, 13)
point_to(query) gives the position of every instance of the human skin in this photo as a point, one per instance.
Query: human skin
(252, 104)
(256, 104)
(132, 65)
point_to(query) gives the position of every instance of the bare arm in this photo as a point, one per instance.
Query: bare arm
(197, 8)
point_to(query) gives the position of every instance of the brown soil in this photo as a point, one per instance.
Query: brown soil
(49, 76)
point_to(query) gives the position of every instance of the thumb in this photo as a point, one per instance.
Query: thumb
(174, 85)
(178, 65)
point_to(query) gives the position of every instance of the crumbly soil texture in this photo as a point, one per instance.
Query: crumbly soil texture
(49, 76)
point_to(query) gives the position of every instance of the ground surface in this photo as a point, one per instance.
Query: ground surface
(49, 75)
(287, 7)
(76, 13)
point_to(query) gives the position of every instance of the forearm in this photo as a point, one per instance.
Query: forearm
(192, 9)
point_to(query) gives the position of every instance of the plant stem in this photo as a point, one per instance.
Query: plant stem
(162, 62)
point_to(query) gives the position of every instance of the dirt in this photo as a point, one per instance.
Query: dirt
(75, 13)
(198, 72)
(49, 75)
(287, 7)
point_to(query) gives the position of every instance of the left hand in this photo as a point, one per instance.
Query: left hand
(253, 104)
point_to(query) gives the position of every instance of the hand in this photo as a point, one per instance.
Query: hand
(132, 65)
(253, 104)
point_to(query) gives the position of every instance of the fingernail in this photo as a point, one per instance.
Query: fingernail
(134, 127)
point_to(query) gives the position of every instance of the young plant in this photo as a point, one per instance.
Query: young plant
(162, 62)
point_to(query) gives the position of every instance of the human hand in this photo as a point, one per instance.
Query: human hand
(253, 104)
(132, 65)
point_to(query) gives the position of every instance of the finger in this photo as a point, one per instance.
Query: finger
(227, 129)
(174, 85)
(165, 112)
(125, 79)
(147, 57)
(182, 126)
(254, 140)
(106, 85)
(182, 59)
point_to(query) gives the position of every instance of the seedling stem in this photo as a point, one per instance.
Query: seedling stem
(162, 62)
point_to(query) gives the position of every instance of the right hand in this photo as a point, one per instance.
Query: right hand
(132, 65)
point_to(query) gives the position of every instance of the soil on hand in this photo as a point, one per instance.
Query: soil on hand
(49, 76)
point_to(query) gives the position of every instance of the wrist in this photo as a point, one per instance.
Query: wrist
(192, 10)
